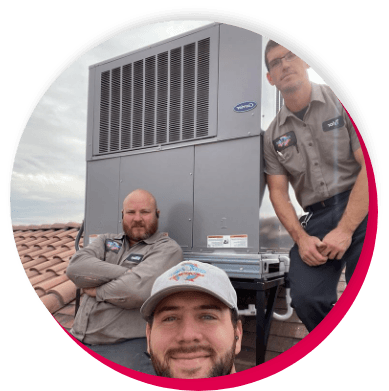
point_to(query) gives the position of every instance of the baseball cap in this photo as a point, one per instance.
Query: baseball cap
(191, 276)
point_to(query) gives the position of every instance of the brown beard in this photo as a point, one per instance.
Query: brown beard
(148, 232)
(220, 368)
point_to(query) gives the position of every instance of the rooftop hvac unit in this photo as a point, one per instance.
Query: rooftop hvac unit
(182, 119)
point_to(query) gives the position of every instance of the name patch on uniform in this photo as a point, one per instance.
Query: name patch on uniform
(111, 245)
(333, 123)
(285, 141)
(137, 258)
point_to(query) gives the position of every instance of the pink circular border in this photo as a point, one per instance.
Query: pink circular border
(303, 347)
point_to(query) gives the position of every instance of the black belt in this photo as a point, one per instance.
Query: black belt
(336, 199)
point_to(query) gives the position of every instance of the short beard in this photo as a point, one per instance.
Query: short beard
(149, 232)
(221, 368)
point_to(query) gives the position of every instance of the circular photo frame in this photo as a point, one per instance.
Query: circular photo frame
(370, 152)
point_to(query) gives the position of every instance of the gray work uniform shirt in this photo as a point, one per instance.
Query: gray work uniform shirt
(316, 153)
(124, 277)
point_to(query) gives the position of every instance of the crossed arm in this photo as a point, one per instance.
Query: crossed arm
(118, 285)
(312, 250)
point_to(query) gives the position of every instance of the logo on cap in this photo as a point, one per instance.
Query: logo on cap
(187, 272)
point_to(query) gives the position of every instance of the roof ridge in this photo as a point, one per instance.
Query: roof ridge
(33, 227)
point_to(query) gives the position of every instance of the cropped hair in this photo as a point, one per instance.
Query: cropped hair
(270, 45)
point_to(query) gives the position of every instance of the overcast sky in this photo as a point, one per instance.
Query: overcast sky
(48, 178)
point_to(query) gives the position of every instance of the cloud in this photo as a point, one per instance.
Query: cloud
(48, 179)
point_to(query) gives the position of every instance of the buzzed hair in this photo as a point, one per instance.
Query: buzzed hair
(270, 45)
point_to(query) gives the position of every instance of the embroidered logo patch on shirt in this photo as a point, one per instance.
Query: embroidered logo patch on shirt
(111, 245)
(333, 123)
(285, 141)
(187, 272)
(137, 258)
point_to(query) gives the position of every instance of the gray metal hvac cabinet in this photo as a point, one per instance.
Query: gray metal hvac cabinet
(162, 118)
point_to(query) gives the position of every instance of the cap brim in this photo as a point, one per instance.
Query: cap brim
(152, 302)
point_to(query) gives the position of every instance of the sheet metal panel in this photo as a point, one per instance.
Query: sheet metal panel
(226, 192)
(102, 203)
(240, 70)
(168, 175)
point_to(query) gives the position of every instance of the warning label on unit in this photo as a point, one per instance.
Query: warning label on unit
(224, 241)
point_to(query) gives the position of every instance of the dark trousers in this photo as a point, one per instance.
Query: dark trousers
(313, 289)
(129, 353)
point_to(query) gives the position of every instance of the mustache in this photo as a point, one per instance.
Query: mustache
(135, 225)
(191, 349)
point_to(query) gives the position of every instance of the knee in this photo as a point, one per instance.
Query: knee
(303, 298)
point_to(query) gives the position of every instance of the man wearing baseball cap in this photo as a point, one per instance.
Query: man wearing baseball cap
(192, 330)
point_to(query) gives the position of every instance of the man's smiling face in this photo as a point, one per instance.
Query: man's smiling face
(192, 336)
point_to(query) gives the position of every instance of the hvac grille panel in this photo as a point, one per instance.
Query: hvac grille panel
(115, 109)
(160, 99)
(126, 107)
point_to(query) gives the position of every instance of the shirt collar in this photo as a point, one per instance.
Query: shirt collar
(153, 238)
(316, 95)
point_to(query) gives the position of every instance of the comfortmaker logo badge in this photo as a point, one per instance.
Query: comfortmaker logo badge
(188, 272)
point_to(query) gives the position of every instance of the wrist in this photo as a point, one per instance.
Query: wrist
(299, 234)
(346, 228)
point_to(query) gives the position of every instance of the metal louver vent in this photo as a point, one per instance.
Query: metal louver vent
(160, 99)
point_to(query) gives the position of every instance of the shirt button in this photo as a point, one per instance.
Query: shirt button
(310, 144)
(316, 164)
(322, 183)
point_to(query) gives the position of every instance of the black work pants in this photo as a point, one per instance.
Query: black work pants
(313, 289)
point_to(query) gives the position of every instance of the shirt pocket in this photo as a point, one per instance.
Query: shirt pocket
(293, 160)
(336, 146)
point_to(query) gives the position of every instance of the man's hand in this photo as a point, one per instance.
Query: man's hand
(337, 242)
(90, 291)
(311, 250)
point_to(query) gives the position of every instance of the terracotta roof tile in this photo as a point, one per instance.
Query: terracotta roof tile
(52, 302)
(42, 267)
(45, 251)
(29, 263)
(59, 269)
(42, 250)
(68, 233)
(66, 255)
(56, 251)
(65, 291)
(36, 242)
(45, 285)
(42, 277)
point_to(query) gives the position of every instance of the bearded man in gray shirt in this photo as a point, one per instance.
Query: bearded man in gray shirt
(116, 273)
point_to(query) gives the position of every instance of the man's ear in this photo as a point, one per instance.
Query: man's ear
(148, 332)
(239, 335)
(270, 80)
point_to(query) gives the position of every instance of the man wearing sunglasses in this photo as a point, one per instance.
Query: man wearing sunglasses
(312, 145)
